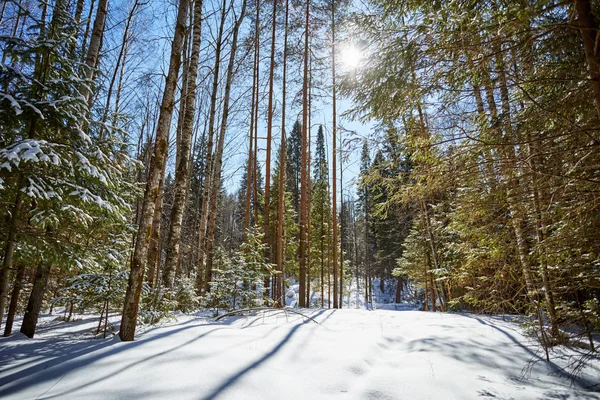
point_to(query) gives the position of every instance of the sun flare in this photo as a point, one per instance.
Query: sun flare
(351, 57)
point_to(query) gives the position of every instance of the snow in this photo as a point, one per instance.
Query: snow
(350, 354)
(13, 102)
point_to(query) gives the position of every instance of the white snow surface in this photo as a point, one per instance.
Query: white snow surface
(348, 354)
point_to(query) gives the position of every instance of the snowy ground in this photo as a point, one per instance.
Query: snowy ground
(350, 354)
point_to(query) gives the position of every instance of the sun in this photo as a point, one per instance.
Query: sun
(351, 57)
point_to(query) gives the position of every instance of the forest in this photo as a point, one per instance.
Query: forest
(166, 157)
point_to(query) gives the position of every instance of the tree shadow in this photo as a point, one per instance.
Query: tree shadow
(241, 373)
(58, 357)
(556, 370)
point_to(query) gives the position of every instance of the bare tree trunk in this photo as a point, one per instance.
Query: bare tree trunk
(216, 179)
(14, 301)
(36, 299)
(540, 230)
(250, 168)
(322, 250)
(510, 175)
(76, 16)
(182, 174)
(589, 37)
(93, 51)
(140, 256)
(154, 250)
(334, 163)
(308, 187)
(303, 177)
(205, 213)
(11, 243)
(279, 279)
(267, 227)
(86, 33)
(341, 227)
(255, 170)
(79, 10)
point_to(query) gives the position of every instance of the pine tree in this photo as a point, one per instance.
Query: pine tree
(294, 160)
(321, 225)
(71, 185)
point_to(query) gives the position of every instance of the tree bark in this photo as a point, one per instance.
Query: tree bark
(140, 256)
(216, 179)
(303, 177)
(398, 298)
(9, 251)
(154, 250)
(93, 51)
(182, 174)
(87, 31)
(334, 163)
(36, 300)
(250, 167)
(267, 227)
(14, 301)
(205, 213)
(589, 36)
(279, 279)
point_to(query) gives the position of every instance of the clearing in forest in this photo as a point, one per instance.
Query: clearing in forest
(349, 354)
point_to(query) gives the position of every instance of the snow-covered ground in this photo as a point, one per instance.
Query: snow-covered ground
(350, 354)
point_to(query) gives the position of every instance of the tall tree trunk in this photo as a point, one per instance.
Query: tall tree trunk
(589, 36)
(216, 179)
(509, 170)
(86, 33)
(267, 227)
(398, 298)
(154, 250)
(280, 277)
(250, 167)
(77, 17)
(308, 187)
(341, 226)
(14, 300)
(303, 177)
(255, 169)
(36, 300)
(11, 243)
(140, 255)
(334, 162)
(208, 174)
(93, 51)
(182, 174)
(540, 229)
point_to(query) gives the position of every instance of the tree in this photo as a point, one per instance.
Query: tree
(61, 175)
(182, 174)
(303, 165)
(321, 213)
(140, 255)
